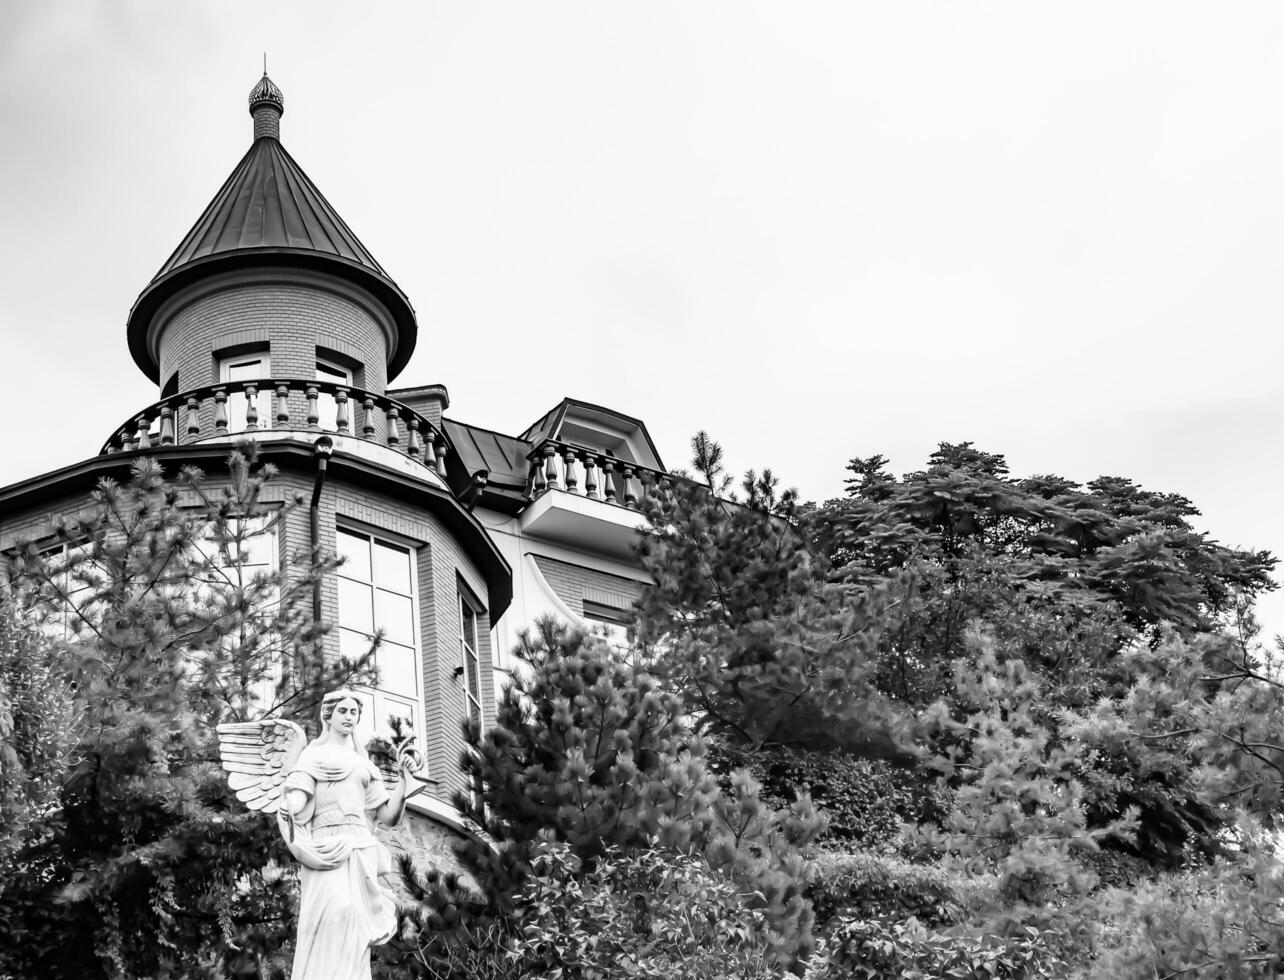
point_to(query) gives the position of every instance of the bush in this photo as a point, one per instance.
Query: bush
(863, 801)
(879, 887)
(874, 949)
(644, 914)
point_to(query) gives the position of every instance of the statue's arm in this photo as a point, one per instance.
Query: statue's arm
(390, 813)
(295, 801)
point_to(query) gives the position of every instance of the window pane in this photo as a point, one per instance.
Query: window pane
(393, 615)
(354, 606)
(250, 369)
(397, 708)
(392, 567)
(469, 625)
(353, 645)
(397, 669)
(355, 549)
(474, 676)
(328, 372)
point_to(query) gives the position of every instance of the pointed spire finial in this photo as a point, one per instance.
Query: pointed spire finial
(267, 105)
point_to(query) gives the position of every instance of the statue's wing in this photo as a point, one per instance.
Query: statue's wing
(257, 755)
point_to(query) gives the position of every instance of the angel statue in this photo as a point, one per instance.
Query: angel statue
(326, 797)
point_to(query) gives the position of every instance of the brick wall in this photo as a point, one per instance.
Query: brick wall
(293, 312)
(574, 584)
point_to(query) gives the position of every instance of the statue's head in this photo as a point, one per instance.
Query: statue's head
(340, 714)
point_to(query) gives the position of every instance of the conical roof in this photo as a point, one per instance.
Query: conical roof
(268, 212)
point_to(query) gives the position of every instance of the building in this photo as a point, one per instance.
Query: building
(271, 320)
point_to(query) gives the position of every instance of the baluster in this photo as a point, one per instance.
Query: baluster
(568, 465)
(314, 414)
(143, 437)
(220, 411)
(414, 445)
(538, 480)
(368, 426)
(393, 415)
(626, 477)
(282, 406)
(193, 417)
(126, 440)
(341, 411)
(441, 458)
(590, 475)
(251, 407)
(430, 447)
(550, 467)
(644, 478)
(167, 426)
(608, 479)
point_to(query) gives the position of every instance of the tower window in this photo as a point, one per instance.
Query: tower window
(327, 408)
(248, 367)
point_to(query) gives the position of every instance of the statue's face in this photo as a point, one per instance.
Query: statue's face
(344, 718)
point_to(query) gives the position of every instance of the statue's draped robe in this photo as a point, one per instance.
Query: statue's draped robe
(343, 909)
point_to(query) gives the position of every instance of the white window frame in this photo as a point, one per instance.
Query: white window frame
(474, 705)
(236, 402)
(327, 408)
(376, 699)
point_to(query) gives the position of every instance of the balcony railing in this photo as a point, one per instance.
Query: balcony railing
(203, 413)
(593, 474)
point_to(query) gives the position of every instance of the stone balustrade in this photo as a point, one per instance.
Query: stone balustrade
(283, 405)
(591, 473)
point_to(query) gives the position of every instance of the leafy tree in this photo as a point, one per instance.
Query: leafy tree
(588, 751)
(1068, 578)
(144, 864)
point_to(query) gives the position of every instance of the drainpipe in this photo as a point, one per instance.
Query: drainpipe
(323, 448)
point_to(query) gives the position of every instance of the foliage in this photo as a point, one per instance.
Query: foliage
(147, 866)
(1223, 919)
(1067, 578)
(875, 949)
(863, 801)
(587, 750)
(38, 729)
(741, 623)
(648, 913)
(865, 885)
(1018, 807)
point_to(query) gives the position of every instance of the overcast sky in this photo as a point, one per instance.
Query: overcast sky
(817, 230)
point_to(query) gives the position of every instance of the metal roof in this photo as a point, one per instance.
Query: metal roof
(502, 457)
(268, 212)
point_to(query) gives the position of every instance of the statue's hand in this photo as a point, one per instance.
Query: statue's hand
(410, 762)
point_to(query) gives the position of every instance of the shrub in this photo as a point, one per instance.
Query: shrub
(874, 949)
(641, 914)
(863, 801)
(874, 886)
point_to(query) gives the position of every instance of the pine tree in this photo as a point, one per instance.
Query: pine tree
(591, 752)
(146, 865)
(743, 624)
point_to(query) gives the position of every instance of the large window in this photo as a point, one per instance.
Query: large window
(250, 367)
(377, 592)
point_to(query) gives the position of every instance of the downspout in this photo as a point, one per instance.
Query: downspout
(323, 448)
